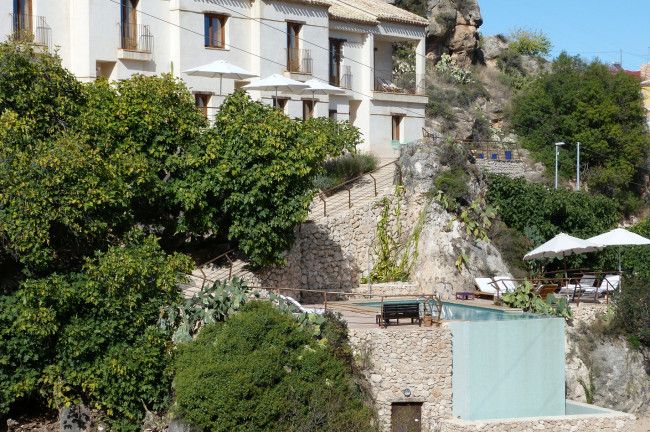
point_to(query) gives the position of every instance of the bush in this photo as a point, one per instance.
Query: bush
(529, 42)
(344, 168)
(632, 309)
(259, 371)
(453, 183)
(91, 336)
(510, 63)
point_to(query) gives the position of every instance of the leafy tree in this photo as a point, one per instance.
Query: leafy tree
(580, 102)
(540, 213)
(529, 42)
(91, 336)
(254, 178)
(259, 371)
(418, 7)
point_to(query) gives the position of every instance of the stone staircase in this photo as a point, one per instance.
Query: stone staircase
(354, 194)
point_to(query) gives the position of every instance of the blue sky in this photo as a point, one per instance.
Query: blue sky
(595, 28)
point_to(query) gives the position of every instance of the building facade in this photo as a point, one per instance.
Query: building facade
(347, 43)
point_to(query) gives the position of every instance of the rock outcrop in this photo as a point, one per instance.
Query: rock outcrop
(453, 26)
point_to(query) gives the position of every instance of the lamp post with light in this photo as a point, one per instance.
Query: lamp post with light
(557, 153)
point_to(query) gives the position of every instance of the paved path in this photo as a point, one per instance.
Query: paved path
(360, 192)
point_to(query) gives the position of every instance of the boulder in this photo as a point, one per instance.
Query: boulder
(493, 45)
(452, 29)
(74, 419)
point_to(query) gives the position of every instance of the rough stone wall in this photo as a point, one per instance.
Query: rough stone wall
(596, 422)
(512, 168)
(418, 359)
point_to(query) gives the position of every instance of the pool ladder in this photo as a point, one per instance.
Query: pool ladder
(430, 305)
(445, 288)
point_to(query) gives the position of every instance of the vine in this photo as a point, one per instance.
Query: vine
(475, 219)
(394, 260)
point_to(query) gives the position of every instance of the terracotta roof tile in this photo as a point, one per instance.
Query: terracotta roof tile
(382, 11)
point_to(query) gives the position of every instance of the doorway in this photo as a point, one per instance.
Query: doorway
(406, 416)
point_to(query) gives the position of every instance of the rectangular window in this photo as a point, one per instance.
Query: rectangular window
(129, 22)
(202, 102)
(23, 15)
(336, 46)
(215, 31)
(293, 47)
(397, 123)
(406, 417)
(332, 114)
(307, 109)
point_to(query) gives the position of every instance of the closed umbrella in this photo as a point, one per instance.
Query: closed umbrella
(277, 82)
(619, 237)
(221, 69)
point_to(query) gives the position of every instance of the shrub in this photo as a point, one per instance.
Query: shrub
(453, 183)
(529, 42)
(258, 371)
(344, 168)
(632, 309)
(91, 336)
(524, 297)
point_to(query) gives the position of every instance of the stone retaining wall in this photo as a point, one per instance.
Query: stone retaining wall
(611, 422)
(334, 253)
(511, 168)
(390, 288)
(416, 359)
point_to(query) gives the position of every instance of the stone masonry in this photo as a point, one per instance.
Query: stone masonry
(417, 359)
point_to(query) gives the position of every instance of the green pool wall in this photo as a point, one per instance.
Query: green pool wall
(508, 369)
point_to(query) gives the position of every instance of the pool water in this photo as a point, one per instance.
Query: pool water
(455, 311)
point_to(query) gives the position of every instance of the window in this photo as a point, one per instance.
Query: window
(293, 47)
(202, 102)
(22, 15)
(215, 31)
(397, 122)
(336, 46)
(280, 103)
(129, 24)
(332, 114)
(307, 109)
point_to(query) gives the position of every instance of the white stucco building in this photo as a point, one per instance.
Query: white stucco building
(347, 43)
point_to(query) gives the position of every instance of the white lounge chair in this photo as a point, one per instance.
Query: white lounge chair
(495, 286)
(609, 283)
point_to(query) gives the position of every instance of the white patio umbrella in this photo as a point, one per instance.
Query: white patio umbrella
(321, 88)
(619, 237)
(562, 245)
(221, 69)
(277, 82)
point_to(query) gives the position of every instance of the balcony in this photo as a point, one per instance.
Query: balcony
(136, 42)
(406, 83)
(343, 81)
(32, 29)
(299, 61)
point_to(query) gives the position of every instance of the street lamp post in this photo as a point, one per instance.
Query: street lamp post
(557, 153)
(578, 167)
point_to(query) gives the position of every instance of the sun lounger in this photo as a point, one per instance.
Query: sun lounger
(494, 287)
(585, 283)
(608, 284)
(545, 289)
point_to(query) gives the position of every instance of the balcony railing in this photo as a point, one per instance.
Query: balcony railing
(346, 78)
(32, 29)
(407, 83)
(299, 60)
(136, 38)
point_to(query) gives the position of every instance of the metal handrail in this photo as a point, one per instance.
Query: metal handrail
(136, 37)
(31, 28)
(324, 193)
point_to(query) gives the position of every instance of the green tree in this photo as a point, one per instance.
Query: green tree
(529, 42)
(254, 179)
(259, 371)
(580, 102)
(91, 336)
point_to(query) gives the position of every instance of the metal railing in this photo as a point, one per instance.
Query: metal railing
(407, 83)
(492, 150)
(326, 193)
(346, 78)
(32, 29)
(136, 38)
(299, 60)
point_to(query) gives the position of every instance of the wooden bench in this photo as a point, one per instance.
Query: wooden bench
(400, 310)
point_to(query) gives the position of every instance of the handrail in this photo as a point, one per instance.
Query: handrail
(345, 185)
(225, 254)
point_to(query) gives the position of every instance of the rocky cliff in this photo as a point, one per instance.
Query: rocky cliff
(453, 29)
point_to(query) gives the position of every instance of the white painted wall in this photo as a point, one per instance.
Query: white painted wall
(87, 32)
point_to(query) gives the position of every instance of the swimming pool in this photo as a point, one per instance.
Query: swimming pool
(455, 311)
